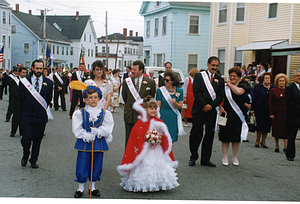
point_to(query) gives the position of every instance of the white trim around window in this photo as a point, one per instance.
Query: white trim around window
(237, 60)
(223, 9)
(194, 25)
(189, 65)
(242, 7)
(268, 12)
(156, 26)
(164, 25)
(148, 28)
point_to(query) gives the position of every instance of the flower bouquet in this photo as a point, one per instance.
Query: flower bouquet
(152, 137)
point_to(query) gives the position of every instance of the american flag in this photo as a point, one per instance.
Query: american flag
(1, 54)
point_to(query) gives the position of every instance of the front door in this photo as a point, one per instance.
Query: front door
(279, 65)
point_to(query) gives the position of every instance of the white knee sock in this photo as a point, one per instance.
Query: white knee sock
(93, 186)
(81, 187)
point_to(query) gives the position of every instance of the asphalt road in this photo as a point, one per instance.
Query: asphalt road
(262, 175)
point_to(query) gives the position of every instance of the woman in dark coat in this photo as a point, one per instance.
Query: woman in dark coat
(260, 107)
(277, 108)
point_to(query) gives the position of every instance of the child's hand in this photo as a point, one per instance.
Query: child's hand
(94, 131)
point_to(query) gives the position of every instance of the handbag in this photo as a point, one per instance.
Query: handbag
(252, 123)
(222, 120)
(184, 106)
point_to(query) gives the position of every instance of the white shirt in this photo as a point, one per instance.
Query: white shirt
(298, 85)
(33, 81)
(140, 81)
(210, 75)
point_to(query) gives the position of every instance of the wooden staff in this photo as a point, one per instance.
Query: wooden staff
(92, 164)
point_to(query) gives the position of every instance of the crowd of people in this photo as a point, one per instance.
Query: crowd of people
(153, 111)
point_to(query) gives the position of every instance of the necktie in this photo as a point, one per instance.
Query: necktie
(37, 86)
(137, 85)
(211, 78)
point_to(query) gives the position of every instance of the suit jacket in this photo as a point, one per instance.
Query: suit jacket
(161, 81)
(74, 77)
(58, 84)
(32, 110)
(14, 93)
(126, 75)
(202, 96)
(292, 100)
(130, 115)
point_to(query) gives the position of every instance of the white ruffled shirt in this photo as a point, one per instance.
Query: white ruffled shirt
(105, 130)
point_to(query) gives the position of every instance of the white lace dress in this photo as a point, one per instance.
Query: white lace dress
(154, 173)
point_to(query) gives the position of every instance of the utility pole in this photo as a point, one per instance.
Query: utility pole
(44, 11)
(106, 41)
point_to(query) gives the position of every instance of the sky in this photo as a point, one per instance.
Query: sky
(121, 14)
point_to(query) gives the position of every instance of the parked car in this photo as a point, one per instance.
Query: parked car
(176, 71)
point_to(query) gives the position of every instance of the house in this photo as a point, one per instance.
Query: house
(123, 50)
(176, 32)
(27, 40)
(242, 33)
(5, 34)
(80, 30)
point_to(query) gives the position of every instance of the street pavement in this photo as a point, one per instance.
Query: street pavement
(262, 175)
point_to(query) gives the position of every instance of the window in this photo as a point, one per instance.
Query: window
(3, 64)
(192, 62)
(157, 3)
(71, 51)
(57, 50)
(4, 17)
(120, 64)
(88, 52)
(26, 48)
(62, 50)
(272, 10)
(222, 13)
(164, 26)
(133, 52)
(71, 66)
(9, 18)
(92, 52)
(67, 50)
(90, 38)
(221, 56)
(104, 62)
(125, 50)
(4, 40)
(103, 49)
(159, 60)
(238, 57)
(240, 12)
(148, 29)
(96, 50)
(9, 42)
(53, 49)
(84, 37)
(156, 27)
(194, 24)
(27, 64)
(13, 29)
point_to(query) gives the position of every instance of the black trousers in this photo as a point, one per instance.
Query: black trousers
(9, 108)
(209, 120)
(16, 121)
(32, 134)
(292, 133)
(60, 94)
(76, 95)
(1, 92)
(128, 128)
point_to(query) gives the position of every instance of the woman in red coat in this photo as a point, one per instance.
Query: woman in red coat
(277, 108)
(188, 95)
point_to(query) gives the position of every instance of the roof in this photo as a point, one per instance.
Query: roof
(116, 36)
(35, 24)
(264, 45)
(199, 4)
(3, 2)
(70, 26)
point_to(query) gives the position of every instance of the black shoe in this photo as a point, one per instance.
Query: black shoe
(277, 150)
(35, 166)
(7, 120)
(208, 164)
(70, 117)
(23, 162)
(264, 146)
(55, 109)
(78, 194)
(96, 192)
(192, 162)
(245, 140)
(12, 135)
(256, 145)
(290, 159)
(284, 150)
(64, 110)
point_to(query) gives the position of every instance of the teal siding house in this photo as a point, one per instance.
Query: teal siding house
(176, 32)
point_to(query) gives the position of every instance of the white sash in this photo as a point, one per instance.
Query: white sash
(59, 79)
(15, 79)
(78, 76)
(238, 111)
(211, 92)
(175, 110)
(34, 93)
(132, 89)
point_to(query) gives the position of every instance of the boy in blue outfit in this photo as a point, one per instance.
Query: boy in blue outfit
(90, 124)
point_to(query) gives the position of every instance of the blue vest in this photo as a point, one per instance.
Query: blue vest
(100, 145)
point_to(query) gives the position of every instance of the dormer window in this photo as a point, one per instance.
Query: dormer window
(157, 4)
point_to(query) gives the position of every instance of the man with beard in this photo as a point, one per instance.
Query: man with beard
(35, 94)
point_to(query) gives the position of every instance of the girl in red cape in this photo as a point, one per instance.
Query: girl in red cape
(148, 166)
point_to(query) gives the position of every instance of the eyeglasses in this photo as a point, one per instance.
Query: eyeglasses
(167, 80)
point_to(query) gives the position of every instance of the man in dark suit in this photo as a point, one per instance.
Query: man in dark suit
(34, 115)
(14, 93)
(161, 82)
(60, 81)
(9, 111)
(1, 84)
(292, 117)
(128, 72)
(204, 112)
(79, 75)
(144, 86)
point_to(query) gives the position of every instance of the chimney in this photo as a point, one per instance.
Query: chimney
(136, 34)
(42, 12)
(125, 32)
(30, 12)
(77, 15)
(131, 33)
(17, 8)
